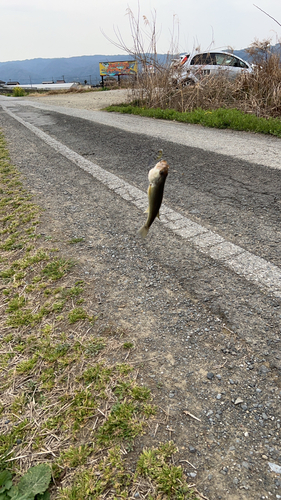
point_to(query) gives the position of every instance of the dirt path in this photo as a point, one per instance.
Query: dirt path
(89, 100)
(207, 341)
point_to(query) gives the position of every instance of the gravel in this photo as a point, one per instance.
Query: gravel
(90, 100)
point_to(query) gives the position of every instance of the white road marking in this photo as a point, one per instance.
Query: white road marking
(255, 269)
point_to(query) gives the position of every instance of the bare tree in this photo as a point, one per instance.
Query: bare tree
(154, 69)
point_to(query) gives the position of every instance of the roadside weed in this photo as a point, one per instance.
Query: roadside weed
(128, 345)
(26, 366)
(154, 464)
(18, 92)
(234, 119)
(57, 269)
(75, 456)
(122, 424)
(77, 314)
(75, 240)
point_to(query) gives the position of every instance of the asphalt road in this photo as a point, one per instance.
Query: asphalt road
(201, 293)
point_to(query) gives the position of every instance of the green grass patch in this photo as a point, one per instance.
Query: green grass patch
(128, 345)
(27, 366)
(16, 303)
(23, 318)
(93, 347)
(219, 118)
(11, 439)
(99, 375)
(52, 353)
(169, 479)
(93, 483)
(77, 314)
(121, 425)
(57, 269)
(82, 409)
(73, 241)
(75, 456)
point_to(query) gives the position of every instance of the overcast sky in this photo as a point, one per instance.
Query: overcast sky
(64, 28)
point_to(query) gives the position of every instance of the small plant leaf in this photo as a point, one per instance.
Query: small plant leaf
(35, 481)
(22, 496)
(6, 487)
(4, 496)
(5, 481)
(44, 496)
(6, 484)
(5, 476)
(13, 492)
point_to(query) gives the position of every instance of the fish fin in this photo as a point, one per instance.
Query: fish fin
(143, 231)
(147, 210)
(158, 215)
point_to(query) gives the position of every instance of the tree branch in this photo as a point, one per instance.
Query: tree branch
(267, 14)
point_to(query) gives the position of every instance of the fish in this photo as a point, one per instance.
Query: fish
(157, 177)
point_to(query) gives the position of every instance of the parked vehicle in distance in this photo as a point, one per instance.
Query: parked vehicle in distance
(191, 68)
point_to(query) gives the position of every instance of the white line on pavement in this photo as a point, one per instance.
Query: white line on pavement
(245, 264)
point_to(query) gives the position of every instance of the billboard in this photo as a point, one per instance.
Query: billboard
(116, 68)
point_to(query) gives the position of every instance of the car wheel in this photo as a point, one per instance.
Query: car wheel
(187, 82)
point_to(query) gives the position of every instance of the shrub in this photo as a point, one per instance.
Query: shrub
(18, 92)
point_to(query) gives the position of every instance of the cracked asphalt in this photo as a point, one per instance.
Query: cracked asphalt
(207, 338)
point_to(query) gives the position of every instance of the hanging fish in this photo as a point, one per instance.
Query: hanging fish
(157, 177)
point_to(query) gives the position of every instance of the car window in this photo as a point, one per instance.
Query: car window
(228, 60)
(204, 59)
(239, 64)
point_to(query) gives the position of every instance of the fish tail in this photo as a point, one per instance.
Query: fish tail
(143, 231)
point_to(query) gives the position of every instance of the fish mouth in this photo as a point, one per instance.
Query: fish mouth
(163, 167)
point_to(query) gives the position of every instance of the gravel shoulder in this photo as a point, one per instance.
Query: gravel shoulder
(95, 100)
(207, 342)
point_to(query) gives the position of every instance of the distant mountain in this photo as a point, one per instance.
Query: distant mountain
(275, 49)
(242, 53)
(71, 69)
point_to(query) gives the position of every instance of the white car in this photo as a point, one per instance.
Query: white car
(191, 68)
